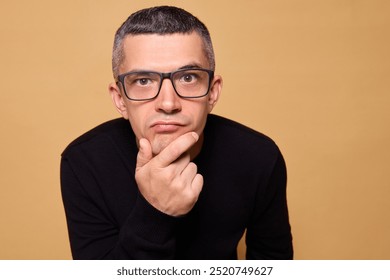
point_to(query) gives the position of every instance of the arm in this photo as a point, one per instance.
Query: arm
(95, 234)
(167, 186)
(269, 233)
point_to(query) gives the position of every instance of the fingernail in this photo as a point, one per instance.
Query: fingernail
(140, 144)
(195, 135)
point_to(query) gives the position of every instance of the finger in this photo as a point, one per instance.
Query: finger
(144, 154)
(190, 171)
(176, 168)
(197, 184)
(176, 148)
(182, 162)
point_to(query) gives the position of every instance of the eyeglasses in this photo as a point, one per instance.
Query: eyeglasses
(146, 85)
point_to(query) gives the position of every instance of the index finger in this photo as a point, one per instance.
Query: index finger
(176, 148)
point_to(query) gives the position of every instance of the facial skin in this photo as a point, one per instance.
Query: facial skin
(168, 116)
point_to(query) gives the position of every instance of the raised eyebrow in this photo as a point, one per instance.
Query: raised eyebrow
(143, 73)
(187, 66)
(140, 71)
(190, 66)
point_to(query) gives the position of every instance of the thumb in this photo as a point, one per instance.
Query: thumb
(144, 154)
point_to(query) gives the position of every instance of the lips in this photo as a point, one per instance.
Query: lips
(166, 126)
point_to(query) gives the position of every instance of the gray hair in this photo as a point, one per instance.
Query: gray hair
(160, 20)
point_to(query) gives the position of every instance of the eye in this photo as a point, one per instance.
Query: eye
(188, 78)
(143, 81)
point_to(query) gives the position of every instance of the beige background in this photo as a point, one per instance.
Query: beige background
(313, 75)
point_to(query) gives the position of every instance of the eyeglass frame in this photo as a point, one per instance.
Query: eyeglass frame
(163, 76)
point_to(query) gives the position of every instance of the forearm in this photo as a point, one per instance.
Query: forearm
(269, 233)
(94, 233)
(149, 235)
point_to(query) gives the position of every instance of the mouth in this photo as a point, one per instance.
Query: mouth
(166, 126)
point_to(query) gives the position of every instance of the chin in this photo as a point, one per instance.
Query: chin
(160, 142)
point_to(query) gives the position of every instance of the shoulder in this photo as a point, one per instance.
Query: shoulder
(230, 132)
(116, 131)
(230, 143)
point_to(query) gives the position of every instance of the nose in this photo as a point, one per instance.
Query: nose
(167, 100)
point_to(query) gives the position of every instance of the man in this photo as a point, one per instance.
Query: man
(169, 180)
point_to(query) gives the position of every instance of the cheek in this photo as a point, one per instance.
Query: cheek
(199, 118)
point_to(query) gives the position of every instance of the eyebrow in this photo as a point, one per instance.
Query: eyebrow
(189, 66)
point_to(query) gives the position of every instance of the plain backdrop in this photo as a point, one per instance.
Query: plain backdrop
(313, 75)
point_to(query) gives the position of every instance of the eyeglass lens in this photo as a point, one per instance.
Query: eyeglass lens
(187, 83)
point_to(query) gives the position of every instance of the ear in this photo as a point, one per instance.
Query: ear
(215, 91)
(118, 100)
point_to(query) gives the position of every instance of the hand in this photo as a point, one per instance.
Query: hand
(169, 181)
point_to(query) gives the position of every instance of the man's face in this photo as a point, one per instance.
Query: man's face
(168, 116)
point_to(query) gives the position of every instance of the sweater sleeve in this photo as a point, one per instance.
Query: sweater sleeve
(269, 234)
(93, 232)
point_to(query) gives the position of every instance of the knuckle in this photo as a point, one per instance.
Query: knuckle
(193, 167)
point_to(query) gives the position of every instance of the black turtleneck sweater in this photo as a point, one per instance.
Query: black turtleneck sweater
(244, 189)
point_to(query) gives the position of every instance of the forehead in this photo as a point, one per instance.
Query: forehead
(163, 52)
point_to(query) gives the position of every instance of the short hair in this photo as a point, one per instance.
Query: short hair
(160, 20)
